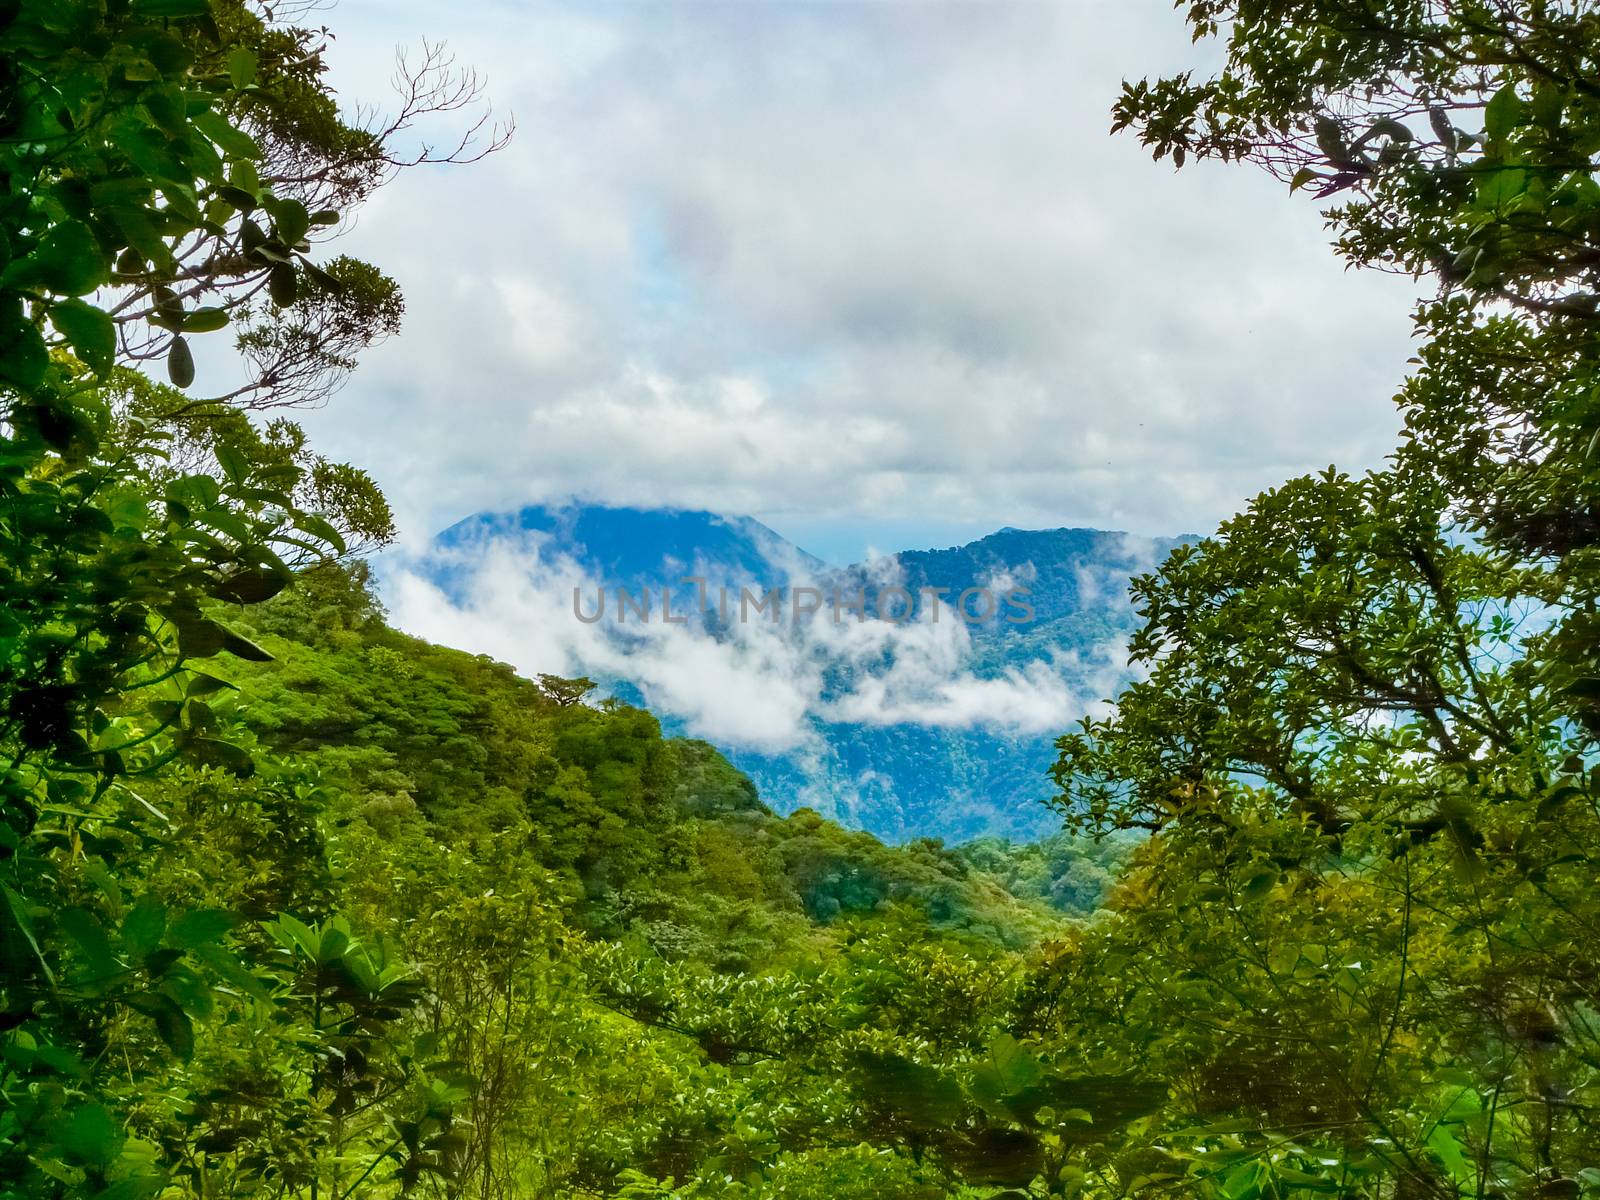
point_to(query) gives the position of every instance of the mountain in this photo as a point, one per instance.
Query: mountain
(903, 779)
(1066, 570)
(630, 547)
(913, 695)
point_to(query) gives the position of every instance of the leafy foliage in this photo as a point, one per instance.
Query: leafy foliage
(1353, 945)
(139, 210)
(294, 905)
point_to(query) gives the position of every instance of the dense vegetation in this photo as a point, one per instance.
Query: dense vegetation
(294, 906)
(599, 941)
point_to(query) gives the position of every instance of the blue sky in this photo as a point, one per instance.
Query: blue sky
(875, 274)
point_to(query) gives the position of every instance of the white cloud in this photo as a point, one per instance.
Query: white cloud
(928, 682)
(871, 260)
(518, 605)
(762, 684)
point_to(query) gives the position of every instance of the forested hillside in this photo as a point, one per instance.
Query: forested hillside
(425, 742)
(588, 952)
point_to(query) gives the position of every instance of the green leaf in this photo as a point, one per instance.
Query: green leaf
(140, 70)
(234, 142)
(88, 1137)
(240, 199)
(1015, 1068)
(242, 67)
(205, 320)
(292, 933)
(1243, 1182)
(323, 280)
(273, 250)
(89, 935)
(199, 714)
(199, 926)
(224, 963)
(23, 357)
(138, 226)
(251, 586)
(68, 260)
(143, 926)
(1549, 101)
(1447, 1148)
(283, 285)
(62, 1061)
(243, 647)
(1556, 799)
(173, 8)
(175, 1028)
(198, 637)
(197, 491)
(188, 991)
(319, 527)
(89, 331)
(166, 712)
(989, 1094)
(290, 221)
(201, 684)
(214, 752)
(18, 909)
(1259, 884)
(232, 460)
(1501, 186)
(1503, 113)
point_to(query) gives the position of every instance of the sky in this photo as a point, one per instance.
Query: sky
(876, 274)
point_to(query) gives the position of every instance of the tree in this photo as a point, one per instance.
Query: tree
(1461, 141)
(1353, 944)
(159, 166)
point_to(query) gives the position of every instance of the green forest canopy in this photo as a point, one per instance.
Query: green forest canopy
(292, 905)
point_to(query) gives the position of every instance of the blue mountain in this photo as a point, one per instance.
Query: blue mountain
(633, 547)
(891, 745)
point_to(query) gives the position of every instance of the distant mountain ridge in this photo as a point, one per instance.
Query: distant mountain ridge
(926, 732)
(642, 547)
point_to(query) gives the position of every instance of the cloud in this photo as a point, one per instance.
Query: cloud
(757, 684)
(520, 605)
(925, 684)
(871, 261)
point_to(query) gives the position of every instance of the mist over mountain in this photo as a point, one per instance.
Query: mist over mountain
(930, 708)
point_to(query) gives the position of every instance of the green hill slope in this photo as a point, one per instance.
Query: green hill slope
(649, 834)
(634, 970)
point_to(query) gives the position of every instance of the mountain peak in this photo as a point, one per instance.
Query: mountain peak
(643, 546)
